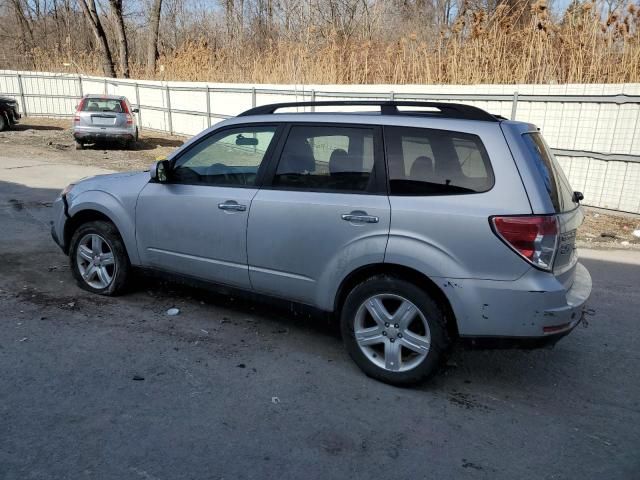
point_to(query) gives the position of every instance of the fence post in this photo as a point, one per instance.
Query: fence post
(80, 86)
(105, 86)
(169, 120)
(22, 99)
(392, 96)
(208, 107)
(514, 105)
(139, 109)
(253, 97)
(313, 99)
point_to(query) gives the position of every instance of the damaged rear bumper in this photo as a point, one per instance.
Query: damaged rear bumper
(535, 310)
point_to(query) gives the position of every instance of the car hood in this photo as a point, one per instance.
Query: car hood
(116, 184)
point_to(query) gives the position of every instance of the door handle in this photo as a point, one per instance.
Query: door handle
(360, 217)
(232, 206)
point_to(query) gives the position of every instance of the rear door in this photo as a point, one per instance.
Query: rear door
(197, 223)
(323, 214)
(561, 195)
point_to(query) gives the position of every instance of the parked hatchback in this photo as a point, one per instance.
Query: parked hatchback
(105, 118)
(414, 227)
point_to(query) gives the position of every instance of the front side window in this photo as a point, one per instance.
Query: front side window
(327, 159)
(436, 162)
(231, 157)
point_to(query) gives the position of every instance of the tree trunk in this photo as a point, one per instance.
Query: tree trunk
(152, 47)
(116, 9)
(90, 11)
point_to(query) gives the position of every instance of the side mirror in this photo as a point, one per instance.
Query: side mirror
(135, 110)
(159, 171)
(578, 197)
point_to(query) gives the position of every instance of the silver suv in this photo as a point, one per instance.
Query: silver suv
(416, 227)
(104, 118)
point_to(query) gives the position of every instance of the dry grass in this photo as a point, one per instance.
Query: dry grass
(479, 47)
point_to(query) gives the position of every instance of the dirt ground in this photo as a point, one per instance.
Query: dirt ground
(52, 138)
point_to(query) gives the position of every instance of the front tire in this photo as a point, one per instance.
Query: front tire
(393, 330)
(99, 260)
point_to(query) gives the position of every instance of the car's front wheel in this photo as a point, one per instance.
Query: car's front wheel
(394, 330)
(99, 260)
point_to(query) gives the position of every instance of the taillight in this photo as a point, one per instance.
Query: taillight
(531, 236)
(76, 118)
(125, 109)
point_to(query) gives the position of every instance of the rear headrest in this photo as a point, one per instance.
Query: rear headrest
(422, 169)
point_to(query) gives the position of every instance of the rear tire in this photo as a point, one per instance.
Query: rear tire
(393, 330)
(99, 260)
(4, 122)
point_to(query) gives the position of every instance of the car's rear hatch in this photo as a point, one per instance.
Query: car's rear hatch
(565, 205)
(102, 113)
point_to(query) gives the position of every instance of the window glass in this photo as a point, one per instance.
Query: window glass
(103, 105)
(231, 157)
(436, 162)
(555, 182)
(326, 158)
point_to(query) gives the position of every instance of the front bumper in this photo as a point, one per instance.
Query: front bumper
(58, 222)
(534, 310)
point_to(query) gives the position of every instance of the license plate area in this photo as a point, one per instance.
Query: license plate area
(102, 120)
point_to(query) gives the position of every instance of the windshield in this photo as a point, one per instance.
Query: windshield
(555, 181)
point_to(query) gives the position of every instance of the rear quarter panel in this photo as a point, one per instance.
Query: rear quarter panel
(450, 235)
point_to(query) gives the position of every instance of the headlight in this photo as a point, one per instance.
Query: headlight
(67, 189)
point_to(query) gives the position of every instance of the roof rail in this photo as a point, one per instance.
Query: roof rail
(387, 107)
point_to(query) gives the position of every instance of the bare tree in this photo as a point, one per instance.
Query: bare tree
(121, 34)
(152, 46)
(91, 13)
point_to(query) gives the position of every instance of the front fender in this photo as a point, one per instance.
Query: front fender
(111, 207)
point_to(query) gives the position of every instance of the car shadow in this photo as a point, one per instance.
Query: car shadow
(23, 127)
(143, 143)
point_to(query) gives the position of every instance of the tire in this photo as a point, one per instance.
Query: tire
(116, 273)
(421, 343)
(79, 145)
(4, 123)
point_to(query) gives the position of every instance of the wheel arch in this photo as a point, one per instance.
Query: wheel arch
(403, 272)
(90, 215)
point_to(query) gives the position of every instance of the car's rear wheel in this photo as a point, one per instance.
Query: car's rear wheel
(393, 330)
(99, 260)
(4, 123)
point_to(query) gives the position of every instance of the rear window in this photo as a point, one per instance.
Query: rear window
(425, 161)
(555, 181)
(103, 105)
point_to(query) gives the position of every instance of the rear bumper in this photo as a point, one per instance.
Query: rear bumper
(102, 137)
(534, 310)
(96, 134)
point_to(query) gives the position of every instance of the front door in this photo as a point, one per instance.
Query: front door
(196, 224)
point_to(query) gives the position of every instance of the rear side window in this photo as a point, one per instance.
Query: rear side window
(436, 162)
(103, 105)
(323, 158)
(555, 181)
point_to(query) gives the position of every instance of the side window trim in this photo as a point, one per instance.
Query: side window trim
(378, 186)
(277, 136)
